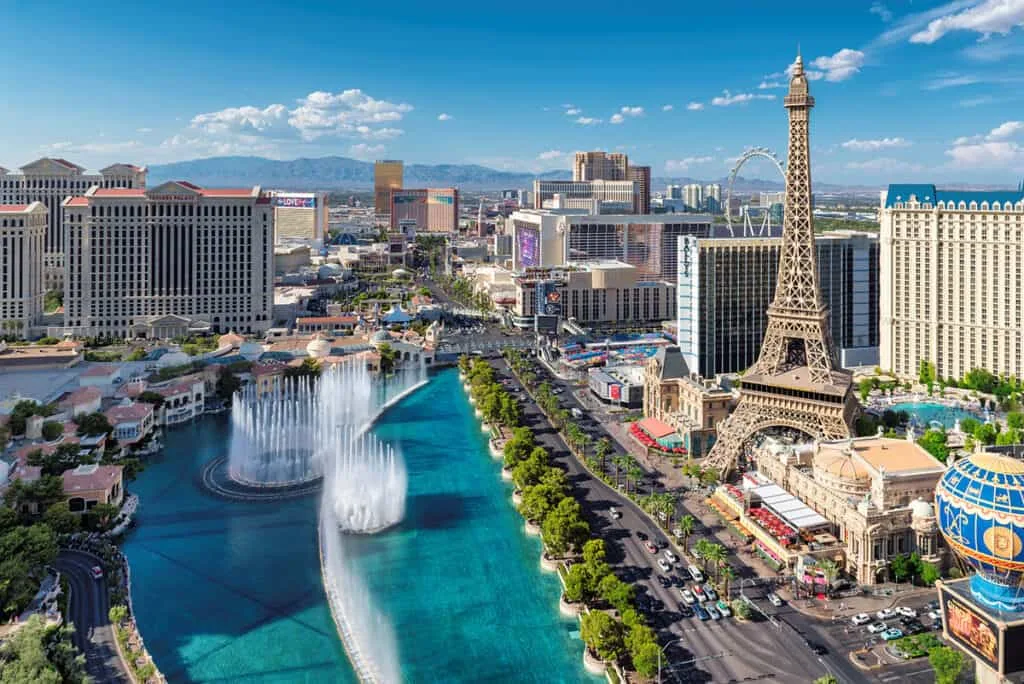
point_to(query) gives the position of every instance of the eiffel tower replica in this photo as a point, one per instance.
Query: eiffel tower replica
(796, 381)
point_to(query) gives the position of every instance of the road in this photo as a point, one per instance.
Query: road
(89, 609)
(729, 651)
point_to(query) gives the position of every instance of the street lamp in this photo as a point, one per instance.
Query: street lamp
(662, 651)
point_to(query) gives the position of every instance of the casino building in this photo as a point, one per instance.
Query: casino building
(167, 261)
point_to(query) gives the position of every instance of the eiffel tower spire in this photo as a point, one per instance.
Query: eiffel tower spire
(796, 382)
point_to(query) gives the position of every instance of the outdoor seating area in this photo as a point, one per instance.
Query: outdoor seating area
(773, 524)
(654, 434)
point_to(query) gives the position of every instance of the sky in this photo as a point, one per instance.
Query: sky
(906, 90)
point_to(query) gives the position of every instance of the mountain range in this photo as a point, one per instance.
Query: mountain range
(333, 173)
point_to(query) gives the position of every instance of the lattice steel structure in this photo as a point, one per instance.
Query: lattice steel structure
(796, 382)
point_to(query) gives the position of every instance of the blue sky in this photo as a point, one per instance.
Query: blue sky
(906, 89)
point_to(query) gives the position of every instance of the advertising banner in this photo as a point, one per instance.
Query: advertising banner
(549, 299)
(688, 293)
(293, 201)
(529, 248)
(615, 392)
(971, 630)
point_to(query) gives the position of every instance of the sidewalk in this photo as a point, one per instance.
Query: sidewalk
(844, 607)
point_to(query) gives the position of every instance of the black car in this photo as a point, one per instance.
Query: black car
(685, 610)
(815, 648)
(641, 536)
(677, 581)
(657, 604)
(664, 581)
(913, 627)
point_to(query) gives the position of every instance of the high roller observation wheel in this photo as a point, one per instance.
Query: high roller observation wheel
(752, 153)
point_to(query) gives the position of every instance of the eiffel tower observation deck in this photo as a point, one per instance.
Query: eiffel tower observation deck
(796, 382)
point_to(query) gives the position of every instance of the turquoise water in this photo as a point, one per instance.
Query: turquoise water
(231, 592)
(926, 412)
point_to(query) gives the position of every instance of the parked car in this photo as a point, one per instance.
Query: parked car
(885, 614)
(860, 619)
(651, 548)
(641, 536)
(614, 513)
(701, 613)
(774, 599)
(877, 628)
(723, 608)
(712, 611)
(695, 573)
(933, 604)
(891, 634)
(664, 565)
(907, 611)
(687, 596)
(699, 593)
(710, 591)
(677, 581)
(913, 627)
(671, 557)
(934, 615)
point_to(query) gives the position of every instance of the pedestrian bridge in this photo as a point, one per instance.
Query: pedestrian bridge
(470, 346)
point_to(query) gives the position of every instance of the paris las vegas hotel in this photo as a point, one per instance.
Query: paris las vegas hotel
(136, 261)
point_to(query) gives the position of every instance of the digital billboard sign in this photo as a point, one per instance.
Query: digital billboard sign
(970, 629)
(295, 201)
(549, 299)
(529, 247)
(615, 392)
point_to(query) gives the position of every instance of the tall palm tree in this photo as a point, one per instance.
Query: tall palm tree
(621, 462)
(830, 570)
(634, 472)
(700, 549)
(716, 556)
(601, 450)
(584, 441)
(686, 525)
(727, 575)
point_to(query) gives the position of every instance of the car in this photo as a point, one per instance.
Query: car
(933, 605)
(670, 557)
(723, 608)
(687, 596)
(710, 591)
(860, 619)
(885, 614)
(664, 581)
(891, 634)
(699, 593)
(907, 611)
(701, 613)
(774, 599)
(695, 573)
(877, 627)
(677, 581)
(664, 565)
(913, 627)
(97, 572)
(650, 546)
(685, 610)
(815, 647)
(713, 612)
(614, 513)
(641, 536)
(657, 604)
(934, 615)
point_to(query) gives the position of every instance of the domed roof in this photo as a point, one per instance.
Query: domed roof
(980, 502)
(919, 508)
(400, 273)
(318, 347)
(841, 464)
(380, 336)
(231, 339)
(175, 357)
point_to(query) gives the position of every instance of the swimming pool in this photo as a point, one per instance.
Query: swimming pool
(926, 412)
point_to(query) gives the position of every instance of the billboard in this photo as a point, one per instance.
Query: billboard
(688, 305)
(615, 392)
(529, 247)
(298, 201)
(408, 197)
(549, 299)
(971, 629)
(441, 199)
(545, 324)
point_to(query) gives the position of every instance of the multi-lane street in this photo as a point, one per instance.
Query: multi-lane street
(89, 609)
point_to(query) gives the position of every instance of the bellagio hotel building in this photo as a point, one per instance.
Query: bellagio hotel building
(952, 279)
(168, 260)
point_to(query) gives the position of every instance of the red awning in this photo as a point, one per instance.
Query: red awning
(655, 428)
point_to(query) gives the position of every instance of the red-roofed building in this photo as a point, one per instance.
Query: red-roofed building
(211, 269)
(268, 377)
(22, 240)
(328, 324)
(183, 401)
(89, 485)
(82, 400)
(101, 376)
(131, 422)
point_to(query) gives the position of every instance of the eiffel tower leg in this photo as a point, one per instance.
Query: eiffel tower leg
(732, 433)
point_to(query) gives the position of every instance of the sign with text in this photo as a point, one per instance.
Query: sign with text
(293, 201)
(971, 630)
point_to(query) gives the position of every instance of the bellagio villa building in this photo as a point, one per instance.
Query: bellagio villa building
(952, 280)
(169, 260)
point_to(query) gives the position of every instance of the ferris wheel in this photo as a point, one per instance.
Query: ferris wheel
(751, 153)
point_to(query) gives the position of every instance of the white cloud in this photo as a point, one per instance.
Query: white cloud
(573, 111)
(951, 81)
(616, 119)
(143, 130)
(587, 121)
(877, 144)
(685, 164)
(768, 85)
(882, 11)
(991, 16)
(906, 26)
(364, 151)
(839, 67)
(977, 101)
(1005, 130)
(552, 154)
(885, 165)
(727, 98)
(666, 108)
(695, 106)
(632, 111)
(444, 117)
(67, 147)
(990, 155)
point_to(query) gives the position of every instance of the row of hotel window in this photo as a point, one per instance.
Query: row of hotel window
(63, 184)
(169, 210)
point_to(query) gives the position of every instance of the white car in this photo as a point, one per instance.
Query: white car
(774, 599)
(935, 615)
(907, 611)
(878, 628)
(614, 513)
(695, 573)
(664, 565)
(885, 614)
(671, 557)
(687, 597)
(860, 619)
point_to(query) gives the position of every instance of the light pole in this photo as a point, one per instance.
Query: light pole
(661, 652)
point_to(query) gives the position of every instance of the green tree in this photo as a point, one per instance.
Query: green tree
(602, 449)
(929, 573)
(104, 514)
(93, 424)
(529, 472)
(934, 442)
(634, 472)
(52, 430)
(154, 398)
(118, 614)
(1014, 419)
(926, 372)
(617, 593)
(947, 663)
(603, 635)
(981, 380)
(686, 527)
(824, 679)
(741, 609)
(986, 433)
(65, 657)
(308, 368)
(24, 553)
(645, 658)
(227, 384)
(899, 567)
(577, 586)
(564, 528)
(864, 388)
(24, 656)
(61, 519)
(538, 501)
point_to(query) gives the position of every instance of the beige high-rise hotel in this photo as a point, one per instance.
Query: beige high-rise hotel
(22, 239)
(169, 260)
(952, 279)
(597, 165)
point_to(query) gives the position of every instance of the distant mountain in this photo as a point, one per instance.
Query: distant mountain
(330, 173)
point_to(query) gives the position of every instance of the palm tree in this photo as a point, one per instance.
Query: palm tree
(686, 525)
(830, 570)
(634, 472)
(601, 450)
(727, 575)
(716, 555)
(584, 441)
(700, 549)
(621, 461)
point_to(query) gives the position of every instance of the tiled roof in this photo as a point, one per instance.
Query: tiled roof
(923, 192)
(82, 395)
(101, 371)
(326, 320)
(91, 478)
(76, 202)
(12, 208)
(132, 412)
(119, 192)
